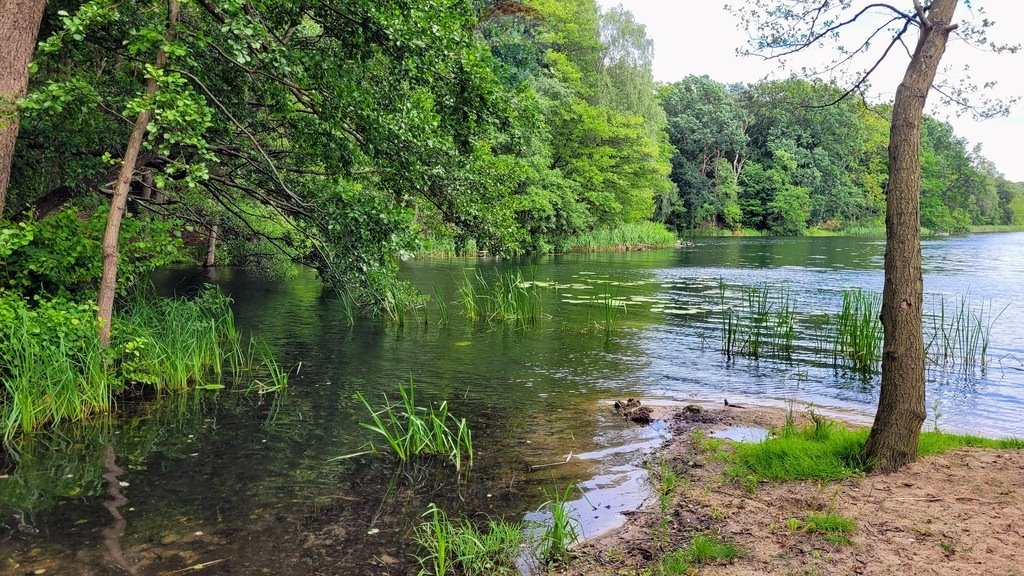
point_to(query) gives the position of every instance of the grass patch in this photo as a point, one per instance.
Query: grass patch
(828, 451)
(53, 369)
(461, 547)
(833, 527)
(632, 236)
(858, 331)
(411, 431)
(562, 532)
(504, 298)
(704, 549)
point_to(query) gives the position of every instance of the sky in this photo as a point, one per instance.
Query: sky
(701, 37)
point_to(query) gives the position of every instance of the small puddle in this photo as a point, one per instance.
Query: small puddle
(749, 434)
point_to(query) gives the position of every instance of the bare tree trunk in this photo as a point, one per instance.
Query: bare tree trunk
(108, 282)
(901, 407)
(19, 26)
(211, 247)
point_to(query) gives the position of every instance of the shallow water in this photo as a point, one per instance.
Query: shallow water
(247, 485)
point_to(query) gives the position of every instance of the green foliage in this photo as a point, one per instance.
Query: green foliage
(705, 549)
(61, 255)
(460, 547)
(411, 432)
(53, 369)
(562, 531)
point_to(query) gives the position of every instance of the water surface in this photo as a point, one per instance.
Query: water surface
(246, 485)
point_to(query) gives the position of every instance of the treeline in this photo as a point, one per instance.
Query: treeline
(339, 135)
(785, 156)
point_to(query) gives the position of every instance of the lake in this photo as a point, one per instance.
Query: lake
(243, 484)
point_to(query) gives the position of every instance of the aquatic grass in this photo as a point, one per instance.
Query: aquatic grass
(460, 547)
(629, 236)
(504, 298)
(53, 369)
(959, 335)
(562, 531)
(766, 325)
(858, 331)
(442, 308)
(411, 431)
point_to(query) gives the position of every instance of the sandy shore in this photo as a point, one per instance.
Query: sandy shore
(961, 512)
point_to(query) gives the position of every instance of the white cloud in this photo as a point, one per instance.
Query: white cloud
(700, 37)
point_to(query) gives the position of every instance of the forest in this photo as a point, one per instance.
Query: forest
(345, 137)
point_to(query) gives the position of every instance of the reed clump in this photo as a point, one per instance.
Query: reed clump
(858, 331)
(54, 370)
(461, 547)
(410, 431)
(765, 326)
(503, 298)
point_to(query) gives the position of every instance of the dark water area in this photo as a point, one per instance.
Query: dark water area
(242, 484)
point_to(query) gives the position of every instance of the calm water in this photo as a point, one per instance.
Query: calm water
(245, 485)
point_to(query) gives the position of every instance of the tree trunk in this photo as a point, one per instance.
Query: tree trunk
(211, 247)
(19, 26)
(108, 282)
(901, 406)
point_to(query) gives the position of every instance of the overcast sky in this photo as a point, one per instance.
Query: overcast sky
(700, 37)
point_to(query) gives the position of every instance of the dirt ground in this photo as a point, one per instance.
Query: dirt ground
(961, 512)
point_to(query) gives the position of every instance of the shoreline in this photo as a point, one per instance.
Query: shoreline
(946, 514)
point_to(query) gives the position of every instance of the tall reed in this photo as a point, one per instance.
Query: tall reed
(858, 331)
(959, 334)
(505, 298)
(765, 326)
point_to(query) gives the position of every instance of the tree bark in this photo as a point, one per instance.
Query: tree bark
(108, 282)
(19, 26)
(211, 247)
(901, 406)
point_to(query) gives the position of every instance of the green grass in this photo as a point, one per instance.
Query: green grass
(557, 536)
(410, 431)
(828, 451)
(835, 528)
(460, 547)
(858, 331)
(53, 369)
(633, 236)
(704, 550)
(503, 298)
